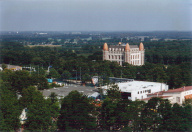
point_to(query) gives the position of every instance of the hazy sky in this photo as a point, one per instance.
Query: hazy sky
(95, 15)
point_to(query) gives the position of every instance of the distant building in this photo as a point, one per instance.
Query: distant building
(23, 116)
(122, 53)
(134, 90)
(12, 67)
(112, 80)
(174, 95)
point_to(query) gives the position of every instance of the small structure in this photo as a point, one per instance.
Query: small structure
(119, 80)
(23, 116)
(49, 80)
(95, 80)
(95, 95)
(12, 67)
(178, 95)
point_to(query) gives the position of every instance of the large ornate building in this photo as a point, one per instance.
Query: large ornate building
(121, 53)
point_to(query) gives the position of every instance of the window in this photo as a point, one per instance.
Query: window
(149, 91)
(178, 99)
(138, 92)
(135, 98)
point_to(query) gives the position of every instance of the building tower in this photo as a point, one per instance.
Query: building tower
(127, 53)
(142, 51)
(105, 51)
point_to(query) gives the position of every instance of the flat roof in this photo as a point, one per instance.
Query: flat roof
(65, 90)
(136, 85)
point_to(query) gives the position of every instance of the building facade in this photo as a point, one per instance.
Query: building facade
(122, 53)
(178, 95)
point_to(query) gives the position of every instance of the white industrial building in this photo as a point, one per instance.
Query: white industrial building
(138, 89)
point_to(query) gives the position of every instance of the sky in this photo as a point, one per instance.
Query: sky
(95, 15)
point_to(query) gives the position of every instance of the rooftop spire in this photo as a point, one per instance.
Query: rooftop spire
(141, 47)
(127, 48)
(105, 47)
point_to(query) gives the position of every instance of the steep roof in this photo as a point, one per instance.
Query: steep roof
(188, 96)
(185, 88)
(122, 46)
(127, 47)
(141, 47)
(105, 46)
(163, 97)
(157, 93)
(133, 46)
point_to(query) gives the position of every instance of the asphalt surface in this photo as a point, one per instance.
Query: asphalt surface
(65, 90)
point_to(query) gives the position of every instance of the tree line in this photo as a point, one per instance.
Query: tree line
(175, 70)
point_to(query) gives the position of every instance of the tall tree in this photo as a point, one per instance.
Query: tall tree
(18, 79)
(38, 115)
(114, 93)
(54, 74)
(108, 110)
(9, 109)
(108, 114)
(76, 113)
(66, 74)
(150, 117)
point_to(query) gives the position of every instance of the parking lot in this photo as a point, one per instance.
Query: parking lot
(65, 90)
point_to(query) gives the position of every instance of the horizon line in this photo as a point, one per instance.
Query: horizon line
(96, 31)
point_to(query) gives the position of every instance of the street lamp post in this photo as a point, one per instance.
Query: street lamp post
(80, 73)
(76, 75)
